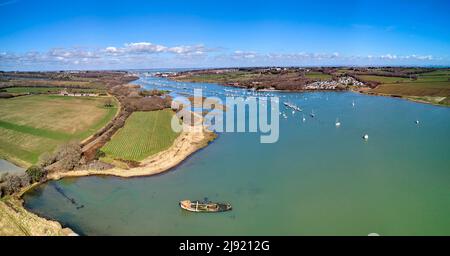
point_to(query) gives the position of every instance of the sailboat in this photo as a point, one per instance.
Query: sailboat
(337, 122)
(353, 103)
(312, 113)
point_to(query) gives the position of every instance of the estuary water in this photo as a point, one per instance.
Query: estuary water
(318, 179)
(8, 167)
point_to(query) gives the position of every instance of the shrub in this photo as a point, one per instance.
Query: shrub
(24, 180)
(5, 95)
(3, 177)
(35, 173)
(108, 103)
(99, 154)
(13, 183)
(69, 155)
(47, 159)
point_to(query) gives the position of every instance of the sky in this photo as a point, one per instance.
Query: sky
(59, 35)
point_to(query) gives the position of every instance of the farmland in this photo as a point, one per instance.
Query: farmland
(317, 75)
(32, 125)
(433, 87)
(40, 89)
(144, 134)
(50, 83)
(226, 77)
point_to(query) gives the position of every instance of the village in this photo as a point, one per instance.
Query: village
(65, 92)
(341, 83)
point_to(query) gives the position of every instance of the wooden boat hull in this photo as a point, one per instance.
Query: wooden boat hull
(197, 206)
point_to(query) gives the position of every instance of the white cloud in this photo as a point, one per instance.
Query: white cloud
(388, 57)
(111, 49)
(144, 47)
(244, 55)
(146, 54)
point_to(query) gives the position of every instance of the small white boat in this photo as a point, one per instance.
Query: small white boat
(337, 122)
(366, 136)
(353, 103)
(417, 122)
(312, 113)
(304, 119)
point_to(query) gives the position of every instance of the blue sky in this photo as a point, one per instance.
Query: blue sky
(41, 35)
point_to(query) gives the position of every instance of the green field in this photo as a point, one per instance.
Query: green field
(317, 75)
(144, 134)
(32, 125)
(383, 79)
(48, 89)
(432, 86)
(32, 89)
(236, 76)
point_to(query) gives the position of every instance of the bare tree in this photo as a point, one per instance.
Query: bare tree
(69, 155)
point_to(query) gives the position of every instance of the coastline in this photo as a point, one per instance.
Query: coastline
(364, 90)
(188, 142)
(415, 99)
(18, 221)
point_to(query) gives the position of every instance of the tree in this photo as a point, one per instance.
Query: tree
(35, 173)
(13, 183)
(69, 155)
(99, 154)
(47, 159)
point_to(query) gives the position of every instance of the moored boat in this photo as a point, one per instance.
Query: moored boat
(198, 206)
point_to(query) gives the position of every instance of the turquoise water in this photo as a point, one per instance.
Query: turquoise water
(316, 180)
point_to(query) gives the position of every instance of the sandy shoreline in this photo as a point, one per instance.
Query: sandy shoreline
(189, 141)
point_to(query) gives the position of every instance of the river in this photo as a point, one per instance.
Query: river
(318, 179)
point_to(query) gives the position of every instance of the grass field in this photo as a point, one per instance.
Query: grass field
(243, 76)
(317, 75)
(238, 76)
(433, 86)
(48, 89)
(32, 125)
(144, 134)
(383, 79)
(52, 83)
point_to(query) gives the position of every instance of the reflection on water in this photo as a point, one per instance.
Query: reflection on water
(318, 179)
